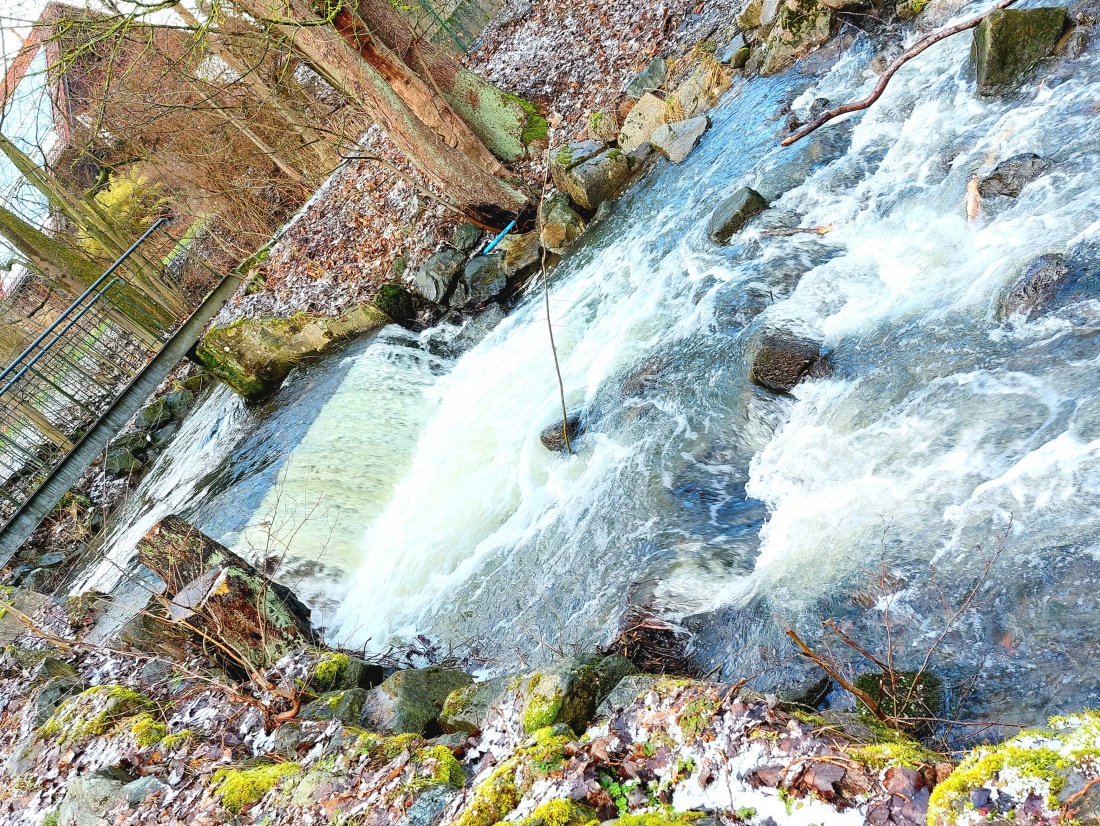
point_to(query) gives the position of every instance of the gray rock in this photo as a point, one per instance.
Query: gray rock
(288, 738)
(1011, 176)
(87, 800)
(1034, 291)
(626, 692)
(639, 155)
(594, 180)
(465, 237)
(677, 140)
(733, 213)
(479, 326)
(569, 693)
(574, 154)
(467, 708)
(781, 360)
(437, 277)
(649, 79)
(648, 113)
(483, 279)
(1010, 43)
(554, 440)
(345, 706)
(155, 415)
(736, 44)
(354, 673)
(51, 559)
(799, 26)
(163, 435)
(179, 401)
(428, 808)
(409, 702)
(559, 223)
(603, 125)
(120, 461)
(52, 695)
(142, 789)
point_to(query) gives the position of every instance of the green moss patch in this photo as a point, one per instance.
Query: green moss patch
(239, 788)
(95, 712)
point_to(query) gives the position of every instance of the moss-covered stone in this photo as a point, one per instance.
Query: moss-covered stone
(1010, 43)
(397, 303)
(345, 706)
(410, 702)
(240, 788)
(466, 709)
(799, 26)
(95, 712)
(571, 692)
(253, 356)
(148, 731)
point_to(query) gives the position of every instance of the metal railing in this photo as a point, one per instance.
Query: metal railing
(67, 378)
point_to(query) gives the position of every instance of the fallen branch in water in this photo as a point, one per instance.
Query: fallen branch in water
(844, 683)
(891, 70)
(785, 231)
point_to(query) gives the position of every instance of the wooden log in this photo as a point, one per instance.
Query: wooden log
(240, 618)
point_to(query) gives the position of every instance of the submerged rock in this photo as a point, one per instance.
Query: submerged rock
(592, 181)
(553, 436)
(677, 140)
(435, 279)
(1010, 43)
(648, 113)
(410, 702)
(1036, 289)
(733, 213)
(781, 360)
(1009, 177)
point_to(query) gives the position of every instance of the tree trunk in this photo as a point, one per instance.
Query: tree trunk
(438, 142)
(504, 122)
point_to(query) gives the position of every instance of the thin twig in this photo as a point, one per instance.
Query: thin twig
(549, 326)
(891, 70)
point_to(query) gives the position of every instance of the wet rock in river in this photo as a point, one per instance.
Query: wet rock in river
(437, 276)
(482, 280)
(559, 223)
(570, 692)
(1009, 177)
(1010, 43)
(781, 360)
(1036, 289)
(677, 140)
(553, 436)
(410, 702)
(733, 213)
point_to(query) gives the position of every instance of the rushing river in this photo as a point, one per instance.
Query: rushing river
(404, 487)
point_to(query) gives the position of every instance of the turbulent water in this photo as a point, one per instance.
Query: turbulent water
(408, 481)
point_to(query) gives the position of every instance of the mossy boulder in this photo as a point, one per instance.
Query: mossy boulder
(589, 177)
(1010, 43)
(336, 671)
(254, 356)
(154, 415)
(410, 702)
(237, 789)
(799, 26)
(466, 709)
(95, 712)
(570, 692)
(396, 302)
(345, 706)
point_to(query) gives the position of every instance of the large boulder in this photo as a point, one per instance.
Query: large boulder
(1034, 291)
(345, 706)
(254, 355)
(799, 26)
(1010, 43)
(435, 279)
(559, 223)
(233, 613)
(648, 113)
(734, 212)
(1009, 177)
(677, 140)
(591, 181)
(522, 254)
(780, 360)
(466, 709)
(410, 702)
(88, 799)
(570, 692)
(339, 672)
(649, 79)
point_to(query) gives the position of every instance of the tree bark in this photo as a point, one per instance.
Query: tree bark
(504, 122)
(438, 142)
